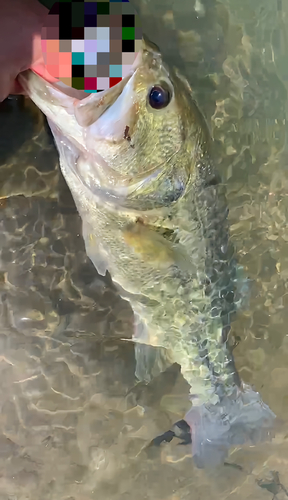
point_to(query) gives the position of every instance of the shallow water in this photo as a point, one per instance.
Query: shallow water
(73, 422)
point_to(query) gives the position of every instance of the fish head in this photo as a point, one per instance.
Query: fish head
(152, 121)
(135, 139)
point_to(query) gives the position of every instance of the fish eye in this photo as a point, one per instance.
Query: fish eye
(159, 96)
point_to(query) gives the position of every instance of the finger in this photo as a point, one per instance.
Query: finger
(41, 70)
(6, 84)
(17, 89)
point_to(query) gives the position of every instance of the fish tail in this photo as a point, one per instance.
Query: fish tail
(231, 422)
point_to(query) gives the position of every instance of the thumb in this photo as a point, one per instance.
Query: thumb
(6, 83)
(38, 65)
(41, 70)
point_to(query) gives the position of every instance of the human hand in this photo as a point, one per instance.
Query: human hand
(21, 22)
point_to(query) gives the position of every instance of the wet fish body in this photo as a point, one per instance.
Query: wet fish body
(137, 161)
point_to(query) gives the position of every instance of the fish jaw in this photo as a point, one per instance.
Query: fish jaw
(57, 106)
(71, 110)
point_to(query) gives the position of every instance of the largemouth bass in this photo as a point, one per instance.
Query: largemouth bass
(137, 159)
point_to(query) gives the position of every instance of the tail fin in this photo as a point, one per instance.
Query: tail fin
(231, 422)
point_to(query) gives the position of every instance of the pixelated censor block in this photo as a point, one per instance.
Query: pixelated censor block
(91, 45)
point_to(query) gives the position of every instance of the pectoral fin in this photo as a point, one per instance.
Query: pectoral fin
(151, 358)
(155, 248)
(94, 251)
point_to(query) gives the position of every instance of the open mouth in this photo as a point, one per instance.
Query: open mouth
(82, 94)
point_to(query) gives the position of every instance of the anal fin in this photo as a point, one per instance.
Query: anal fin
(150, 361)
